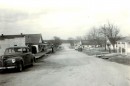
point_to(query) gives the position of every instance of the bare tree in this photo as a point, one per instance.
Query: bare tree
(85, 37)
(111, 32)
(79, 38)
(71, 41)
(95, 36)
(57, 41)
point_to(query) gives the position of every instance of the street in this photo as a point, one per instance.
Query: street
(69, 67)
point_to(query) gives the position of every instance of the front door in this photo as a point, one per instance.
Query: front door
(27, 57)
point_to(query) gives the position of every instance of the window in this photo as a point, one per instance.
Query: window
(19, 50)
(9, 51)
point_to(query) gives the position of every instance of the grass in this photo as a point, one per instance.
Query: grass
(120, 59)
(114, 57)
(95, 51)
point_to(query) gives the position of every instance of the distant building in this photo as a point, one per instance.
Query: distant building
(85, 44)
(123, 46)
(34, 41)
(88, 44)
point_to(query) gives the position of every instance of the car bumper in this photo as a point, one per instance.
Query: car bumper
(10, 67)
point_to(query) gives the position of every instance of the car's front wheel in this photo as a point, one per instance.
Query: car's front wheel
(20, 67)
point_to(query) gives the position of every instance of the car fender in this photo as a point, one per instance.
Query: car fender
(19, 60)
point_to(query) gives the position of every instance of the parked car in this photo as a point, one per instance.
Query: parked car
(16, 58)
(76, 47)
(80, 49)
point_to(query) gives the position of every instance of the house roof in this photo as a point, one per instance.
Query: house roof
(29, 38)
(18, 47)
(2, 37)
(124, 39)
(33, 38)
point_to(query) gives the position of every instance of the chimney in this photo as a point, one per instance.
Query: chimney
(2, 34)
(21, 33)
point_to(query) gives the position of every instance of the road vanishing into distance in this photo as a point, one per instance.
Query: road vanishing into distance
(69, 68)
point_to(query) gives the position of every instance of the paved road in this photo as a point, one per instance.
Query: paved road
(70, 68)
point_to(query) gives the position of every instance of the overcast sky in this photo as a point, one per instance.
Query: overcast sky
(63, 18)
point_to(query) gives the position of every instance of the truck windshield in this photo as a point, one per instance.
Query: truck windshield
(13, 51)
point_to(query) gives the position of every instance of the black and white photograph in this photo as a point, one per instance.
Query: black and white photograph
(64, 43)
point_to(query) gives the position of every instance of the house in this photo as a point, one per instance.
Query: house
(123, 45)
(34, 41)
(111, 43)
(86, 44)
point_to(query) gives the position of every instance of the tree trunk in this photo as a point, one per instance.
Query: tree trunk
(114, 48)
(109, 49)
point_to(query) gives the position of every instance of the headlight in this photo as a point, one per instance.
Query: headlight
(13, 60)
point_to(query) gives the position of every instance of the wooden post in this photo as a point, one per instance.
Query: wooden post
(125, 48)
(121, 47)
(117, 47)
